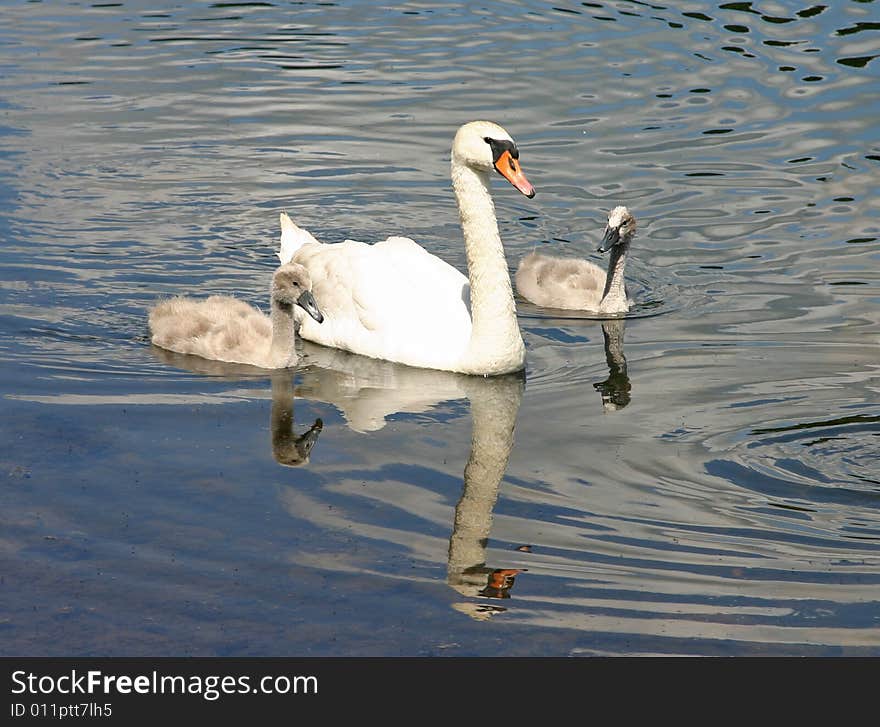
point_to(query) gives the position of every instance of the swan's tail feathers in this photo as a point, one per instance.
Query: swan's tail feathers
(292, 238)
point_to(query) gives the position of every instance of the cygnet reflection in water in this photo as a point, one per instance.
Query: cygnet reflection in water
(615, 390)
(288, 448)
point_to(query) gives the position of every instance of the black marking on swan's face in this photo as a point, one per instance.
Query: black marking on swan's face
(504, 160)
(499, 146)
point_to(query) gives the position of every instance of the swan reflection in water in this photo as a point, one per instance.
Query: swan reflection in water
(494, 406)
(288, 448)
(615, 390)
(367, 390)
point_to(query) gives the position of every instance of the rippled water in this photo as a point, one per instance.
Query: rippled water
(699, 478)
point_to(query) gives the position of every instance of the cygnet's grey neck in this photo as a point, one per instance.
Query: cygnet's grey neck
(283, 349)
(615, 284)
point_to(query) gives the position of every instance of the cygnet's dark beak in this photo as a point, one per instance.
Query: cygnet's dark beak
(306, 441)
(306, 301)
(611, 238)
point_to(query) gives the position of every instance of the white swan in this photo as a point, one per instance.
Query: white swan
(226, 329)
(575, 284)
(394, 300)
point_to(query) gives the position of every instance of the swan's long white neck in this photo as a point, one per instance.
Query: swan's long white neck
(282, 350)
(496, 340)
(614, 295)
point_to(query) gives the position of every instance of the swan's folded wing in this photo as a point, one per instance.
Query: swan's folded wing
(386, 298)
(421, 289)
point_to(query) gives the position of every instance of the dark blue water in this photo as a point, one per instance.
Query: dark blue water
(701, 478)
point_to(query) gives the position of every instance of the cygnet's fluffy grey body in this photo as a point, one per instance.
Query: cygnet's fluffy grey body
(226, 329)
(577, 284)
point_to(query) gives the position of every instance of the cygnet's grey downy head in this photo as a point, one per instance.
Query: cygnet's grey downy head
(619, 230)
(292, 285)
(485, 145)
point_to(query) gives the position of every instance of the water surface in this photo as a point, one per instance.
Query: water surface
(698, 478)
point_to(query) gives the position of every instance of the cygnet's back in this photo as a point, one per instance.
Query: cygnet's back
(577, 284)
(557, 282)
(226, 329)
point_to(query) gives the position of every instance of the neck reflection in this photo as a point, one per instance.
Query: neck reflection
(288, 448)
(366, 391)
(495, 404)
(615, 390)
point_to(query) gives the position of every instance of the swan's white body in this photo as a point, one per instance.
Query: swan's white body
(577, 284)
(222, 328)
(394, 300)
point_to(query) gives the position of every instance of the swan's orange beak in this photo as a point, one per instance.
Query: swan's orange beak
(509, 168)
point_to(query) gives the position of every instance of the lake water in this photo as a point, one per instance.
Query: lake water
(700, 478)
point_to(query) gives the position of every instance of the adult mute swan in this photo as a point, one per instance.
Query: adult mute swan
(575, 284)
(394, 300)
(226, 329)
